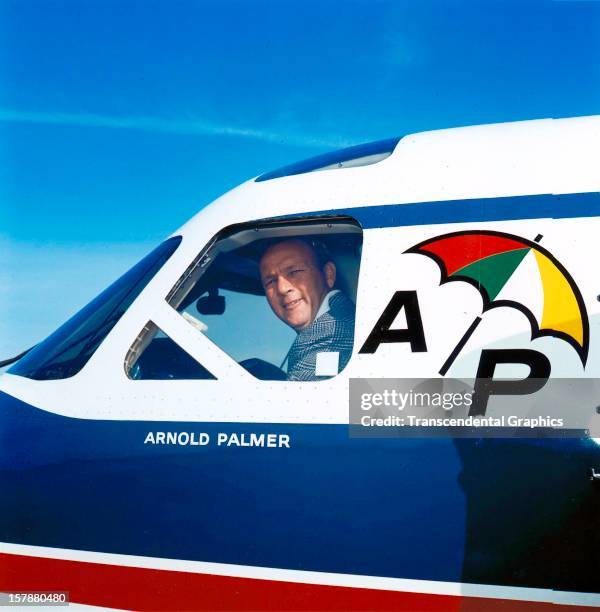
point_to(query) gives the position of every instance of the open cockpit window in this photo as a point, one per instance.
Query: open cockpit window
(278, 296)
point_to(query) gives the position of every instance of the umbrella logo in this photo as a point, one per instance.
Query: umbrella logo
(488, 260)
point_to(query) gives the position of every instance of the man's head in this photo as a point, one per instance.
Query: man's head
(295, 281)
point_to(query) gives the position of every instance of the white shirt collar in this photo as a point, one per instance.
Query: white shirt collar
(325, 303)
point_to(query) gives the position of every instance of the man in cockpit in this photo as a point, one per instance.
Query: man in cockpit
(298, 277)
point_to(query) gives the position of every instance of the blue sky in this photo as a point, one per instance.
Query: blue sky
(120, 119)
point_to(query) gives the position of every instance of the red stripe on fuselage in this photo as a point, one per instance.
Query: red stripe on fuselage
(134, 588)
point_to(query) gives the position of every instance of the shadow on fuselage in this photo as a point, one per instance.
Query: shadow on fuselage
(533, 513)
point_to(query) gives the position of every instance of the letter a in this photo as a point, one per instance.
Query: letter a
(414, 326)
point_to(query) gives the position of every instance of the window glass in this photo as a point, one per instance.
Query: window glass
(155, 356)
(68, 349)
(278, 297)
(256, 334)
(351, 157)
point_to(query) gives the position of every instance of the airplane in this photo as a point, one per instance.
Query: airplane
(156, 453)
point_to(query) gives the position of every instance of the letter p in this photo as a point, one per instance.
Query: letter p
(485, 385)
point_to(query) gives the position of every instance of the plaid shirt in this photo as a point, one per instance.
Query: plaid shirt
(333, 331)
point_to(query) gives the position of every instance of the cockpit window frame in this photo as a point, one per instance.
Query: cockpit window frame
(299, 225)
(240, 235)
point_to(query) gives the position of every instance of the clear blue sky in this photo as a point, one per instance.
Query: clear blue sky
(120, 119)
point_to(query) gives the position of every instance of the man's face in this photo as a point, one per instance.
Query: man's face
(294, 284)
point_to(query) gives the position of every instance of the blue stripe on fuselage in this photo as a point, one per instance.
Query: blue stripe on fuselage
(328, 503)
(481, 209)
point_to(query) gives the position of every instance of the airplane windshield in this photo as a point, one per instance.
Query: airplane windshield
(68, 349)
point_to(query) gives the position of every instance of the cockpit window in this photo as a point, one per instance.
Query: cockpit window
(68, 349)
(278, 297)
(155, 356)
